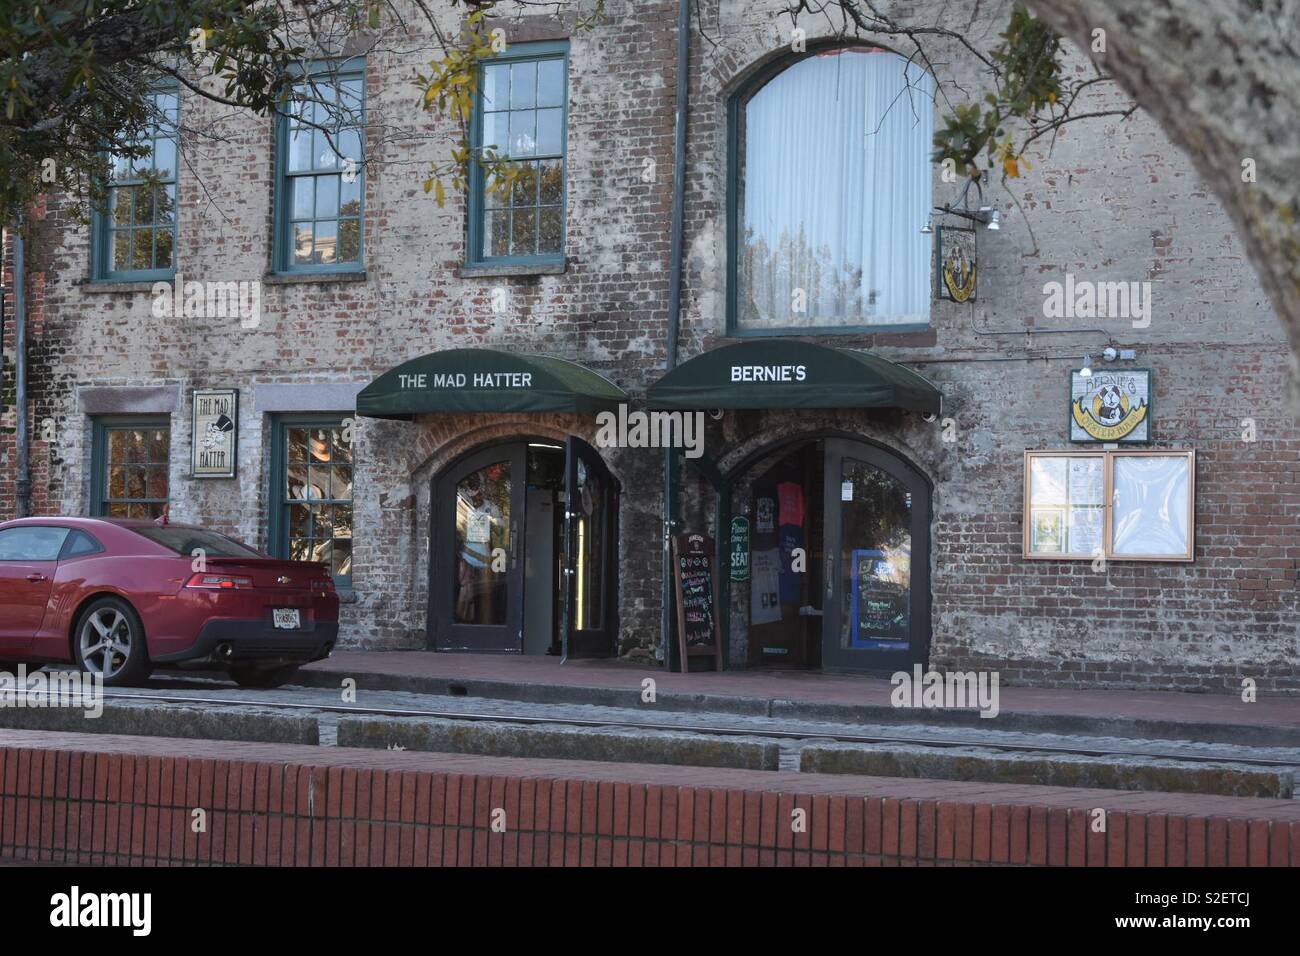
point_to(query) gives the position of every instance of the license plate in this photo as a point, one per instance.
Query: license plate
(287, 618)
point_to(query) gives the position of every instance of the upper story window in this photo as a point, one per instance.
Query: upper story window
(320, 172)
(831, 186)
(135, 231)
(520, 116)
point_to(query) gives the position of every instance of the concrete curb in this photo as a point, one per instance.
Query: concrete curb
(1026, 721)
(172, 720)
(486, 738)
(1065, 770)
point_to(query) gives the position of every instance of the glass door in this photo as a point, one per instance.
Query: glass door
(590, 553)
(877, 583)
(476, 571)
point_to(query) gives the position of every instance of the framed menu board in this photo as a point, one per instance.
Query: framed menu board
(696, 583)
(1119, 505)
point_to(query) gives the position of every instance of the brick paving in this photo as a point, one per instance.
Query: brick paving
(811, 687)
(67, 797)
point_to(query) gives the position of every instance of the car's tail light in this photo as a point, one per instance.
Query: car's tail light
(322, 584)
(219, 582)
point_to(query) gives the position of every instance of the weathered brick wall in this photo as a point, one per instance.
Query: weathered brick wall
(608, 311)
(1113, 201)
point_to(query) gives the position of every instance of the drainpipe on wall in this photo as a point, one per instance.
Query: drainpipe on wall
(675, 296)
(23, 478)
(4, 293)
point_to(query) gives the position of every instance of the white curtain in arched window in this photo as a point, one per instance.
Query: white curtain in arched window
(836, 184)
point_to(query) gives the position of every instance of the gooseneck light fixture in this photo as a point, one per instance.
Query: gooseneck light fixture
(986, 216)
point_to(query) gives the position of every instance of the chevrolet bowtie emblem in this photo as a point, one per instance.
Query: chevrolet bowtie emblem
(282, 579)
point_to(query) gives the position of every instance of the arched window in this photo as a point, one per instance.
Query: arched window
(831, 186)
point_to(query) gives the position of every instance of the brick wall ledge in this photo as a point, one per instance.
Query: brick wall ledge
(102, 799)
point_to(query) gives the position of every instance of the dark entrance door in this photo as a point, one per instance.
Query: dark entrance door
(476, 573)
(590, 553)
(877, 563)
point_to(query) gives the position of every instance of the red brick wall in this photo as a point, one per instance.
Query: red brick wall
(101, 799)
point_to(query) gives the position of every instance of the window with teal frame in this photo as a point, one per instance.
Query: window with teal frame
(311, 492)
(130, 465)
(521, 112)
(320, 172)
(134, 230)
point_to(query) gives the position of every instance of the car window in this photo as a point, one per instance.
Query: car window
(80, 543)
(188, 540)
(31, 543)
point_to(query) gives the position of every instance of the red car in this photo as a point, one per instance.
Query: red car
(119, 597)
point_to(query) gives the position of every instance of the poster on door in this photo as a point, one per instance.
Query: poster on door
(765, 587)
(881, 608)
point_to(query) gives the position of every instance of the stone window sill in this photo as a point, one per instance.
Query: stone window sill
(313, 278)
(108, 285)
(512, 269)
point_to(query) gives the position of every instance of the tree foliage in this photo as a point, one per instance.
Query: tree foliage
(75, 77)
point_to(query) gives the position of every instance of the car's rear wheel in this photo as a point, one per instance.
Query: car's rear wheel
(110, 642)
(246, 676)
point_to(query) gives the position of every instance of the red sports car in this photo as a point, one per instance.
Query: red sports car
(120, 597)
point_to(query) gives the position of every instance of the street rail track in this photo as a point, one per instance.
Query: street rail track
(838, 737)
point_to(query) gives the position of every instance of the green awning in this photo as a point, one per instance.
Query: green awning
(487, 380)
(787, 373)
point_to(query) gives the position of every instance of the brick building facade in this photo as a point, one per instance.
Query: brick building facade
(1113, 202)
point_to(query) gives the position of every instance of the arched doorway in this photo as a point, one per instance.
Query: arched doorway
(839, 563)
(523, 551)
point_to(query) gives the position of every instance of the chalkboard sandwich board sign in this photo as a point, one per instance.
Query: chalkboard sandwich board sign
(695, 578)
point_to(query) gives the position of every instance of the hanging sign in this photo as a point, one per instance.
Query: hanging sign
(215, 436)
(696, 585)
(1110, 406)
(955, 263)
(739, 548)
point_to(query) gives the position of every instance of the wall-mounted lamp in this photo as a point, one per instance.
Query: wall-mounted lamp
(986, 216)
(928, 227)
(1086, 371)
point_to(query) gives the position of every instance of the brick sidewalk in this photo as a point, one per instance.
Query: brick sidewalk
(1269, 711)
(103, 799)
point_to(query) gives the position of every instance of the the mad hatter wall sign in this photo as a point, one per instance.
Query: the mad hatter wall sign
(215, 439)
(1110, 406)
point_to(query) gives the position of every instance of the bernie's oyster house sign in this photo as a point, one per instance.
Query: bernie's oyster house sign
(1110, 406)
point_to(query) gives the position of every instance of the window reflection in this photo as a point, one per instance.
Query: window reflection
(317, 495)
(324, 174)
(140, 212)
(876, 558)
(482, 544)
(136, 467)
